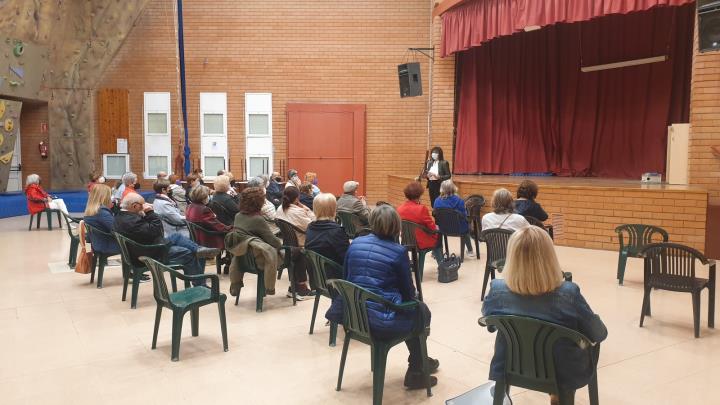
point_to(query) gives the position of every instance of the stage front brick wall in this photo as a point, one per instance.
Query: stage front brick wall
(590, 214)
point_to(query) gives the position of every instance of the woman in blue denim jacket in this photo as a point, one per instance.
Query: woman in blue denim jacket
(534, 287)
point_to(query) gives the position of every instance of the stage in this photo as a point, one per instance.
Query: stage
(585, 211)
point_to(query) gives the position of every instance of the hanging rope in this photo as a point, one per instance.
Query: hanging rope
(183, 97)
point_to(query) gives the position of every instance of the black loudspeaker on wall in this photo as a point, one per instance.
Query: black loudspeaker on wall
(410, 81)
(709, 25)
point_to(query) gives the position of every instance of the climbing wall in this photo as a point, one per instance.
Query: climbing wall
(9, 127)
(23, 69)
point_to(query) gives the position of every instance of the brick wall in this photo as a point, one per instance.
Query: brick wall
(313, 51)
(31, 117)
(591, 213)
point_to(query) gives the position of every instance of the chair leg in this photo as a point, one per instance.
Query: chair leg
(593, 390)
(135, 288)
(314, 313)
(477, 242)
(237, 297)
(38, 218)
(711, 306)
(195, 321)
(380, 356)
(499, 392)
(125, 285)
(486, 276)
(645, 310)
(426, 365)
(566, 397)
(696, 313)
(101, 271)
(260, 292)
(59, 217)
(445, 242)
(333, 333)
(346, 345)
(158, 314)
(173, 284)
(223, 324)
(176, 333)
(218, 264)
(30, 226)
(421, 265)
(93, 266)
(622, 262)
(49, 219)
(462, 249)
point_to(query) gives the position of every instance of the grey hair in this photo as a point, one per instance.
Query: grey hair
(129, 178)
(385, 222)
(222, 183)
(266, 179)
(448, 188)
(130, 199)
(32, 179)
(256, 182)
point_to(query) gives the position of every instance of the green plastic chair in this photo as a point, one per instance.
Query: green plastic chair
(496, 240)
(353, 224)
(288, 233)
(131, 252)
(99, 260)
(357, 327)
(320, 265)
(409, 240)
(48, 212)
(529, 360)
(247, 264)
(188, 300)
(473, 205)
(195, 228)
(74, 240)
(638, 235)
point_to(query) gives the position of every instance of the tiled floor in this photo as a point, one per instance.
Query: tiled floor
(62, 341)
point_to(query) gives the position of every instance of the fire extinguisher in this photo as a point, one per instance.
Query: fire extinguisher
(43, 149)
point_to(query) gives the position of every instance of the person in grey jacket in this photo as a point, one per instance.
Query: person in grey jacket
(173, 220)
(348, 202)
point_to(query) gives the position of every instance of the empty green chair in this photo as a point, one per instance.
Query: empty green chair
(247, 265)
(74, 240)
(187, 300)
(353, 224)
(638, 236)
(529, 359)
(357, 327)
(320, 266)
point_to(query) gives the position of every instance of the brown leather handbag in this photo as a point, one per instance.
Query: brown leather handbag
(85, 255)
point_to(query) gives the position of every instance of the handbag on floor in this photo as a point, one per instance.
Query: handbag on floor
(448, 268)
(84, 259)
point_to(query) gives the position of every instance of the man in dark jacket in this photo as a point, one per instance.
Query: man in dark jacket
(137, 221)
(274, 190)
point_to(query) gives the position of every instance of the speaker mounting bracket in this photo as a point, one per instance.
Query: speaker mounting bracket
(423, 50)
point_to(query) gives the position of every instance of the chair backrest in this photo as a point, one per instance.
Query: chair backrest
(91, 230)
(160, 289)
(319, 265)
(671, 266)
(220, 210)
(194, 229)
(534, 221)
(448, 221)
(288, 232)
(474, 204)
(529, 359)
(408, 236)
(355, 307)
(638, 235)
(497, 241)
(350, 222)
(67, 222)
(131, 251)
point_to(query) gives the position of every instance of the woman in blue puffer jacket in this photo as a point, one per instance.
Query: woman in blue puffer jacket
(380, 265)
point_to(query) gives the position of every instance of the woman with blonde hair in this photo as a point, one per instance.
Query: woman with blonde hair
(325, 236)
(503, 215)
(98, 215)
(312, 178)
(534, 287)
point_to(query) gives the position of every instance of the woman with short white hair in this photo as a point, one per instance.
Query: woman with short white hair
(449, 199)
(223, 204)
(38, 199)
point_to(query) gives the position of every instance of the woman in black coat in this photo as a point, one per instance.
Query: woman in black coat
(437, 170)
(325, 236)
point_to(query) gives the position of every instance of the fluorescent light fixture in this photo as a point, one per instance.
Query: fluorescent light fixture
(627, 63)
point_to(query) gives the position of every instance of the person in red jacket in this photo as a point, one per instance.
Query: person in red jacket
(412, 210)
(38, 199)
(199, 213)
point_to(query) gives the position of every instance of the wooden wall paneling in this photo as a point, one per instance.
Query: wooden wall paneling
(112, 118)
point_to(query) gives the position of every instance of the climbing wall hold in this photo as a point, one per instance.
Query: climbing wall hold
(2, 139)
(6, 158)
(2, 109)
(18, 49)
(9, 125)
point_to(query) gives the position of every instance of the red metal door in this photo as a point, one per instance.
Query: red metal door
(328, 139)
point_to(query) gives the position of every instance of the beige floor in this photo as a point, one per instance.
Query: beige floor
(62, 341)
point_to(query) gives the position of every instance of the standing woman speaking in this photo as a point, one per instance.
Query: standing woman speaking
(436, 170)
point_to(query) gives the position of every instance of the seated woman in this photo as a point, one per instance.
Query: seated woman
(502, 215)
(525, 204)
(38, 199)
(311, 177)
(449, 199)
(177, 193)
(325, 236)
(268, 208)
(306, 194)
(414, 211)
(223, 204)
(95, 178)
(292, 211)
(250, 225)
(533, 286)
(167, 209)
(98, 215)
(377, 263)
(199, 213)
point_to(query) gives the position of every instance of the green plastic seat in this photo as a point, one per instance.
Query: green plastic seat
(529, 359)
(473, 205)
(409, 240)
(74, 241)
(194, 229)
(188, 300)
(638, 235)
(320, 265)
(289, 234)
(357, 327)
(48, 212)
(496, 240)
(99, 260)
(247, 265)
(353, 224)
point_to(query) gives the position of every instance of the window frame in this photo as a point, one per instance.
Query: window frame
(104, 160)
(213, 103)
(157, 144)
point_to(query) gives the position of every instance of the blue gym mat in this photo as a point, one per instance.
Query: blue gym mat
(15, 204)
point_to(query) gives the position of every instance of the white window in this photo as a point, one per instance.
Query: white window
(213, 131)
(157, 134)
(115, 165)
(258, 133)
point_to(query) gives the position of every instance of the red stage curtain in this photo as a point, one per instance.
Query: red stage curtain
(478, 21)
(525, 106)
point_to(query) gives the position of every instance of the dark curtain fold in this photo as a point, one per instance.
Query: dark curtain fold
(525, 106)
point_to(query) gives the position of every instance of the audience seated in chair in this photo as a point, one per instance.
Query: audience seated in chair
(414, 211)
(252, 230)
(223, 204)
(300, 216)
(129, 185)
(502, 215)
(449, 199)
(534, 287)
(95, 178)
(166, 208)
(268, 208)
(379, 264)
(348, 202)
(138, 222)
(275, 189)
(199, 213)
(311, 177)
(177, 193)
(98, 215)
(38, 199)
(306, 194)
(325, 236)
(525, 204)
(293, 178)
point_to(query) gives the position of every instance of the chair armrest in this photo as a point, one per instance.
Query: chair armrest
(215, 287)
